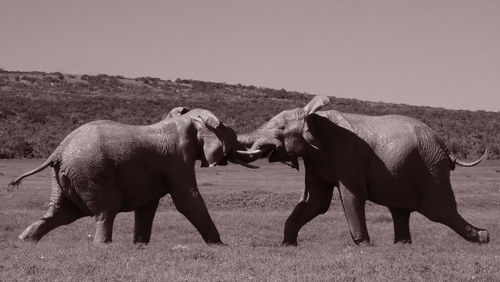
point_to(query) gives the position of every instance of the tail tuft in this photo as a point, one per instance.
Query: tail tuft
(13, 185)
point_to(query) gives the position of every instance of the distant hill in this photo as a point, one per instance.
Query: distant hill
(37, 109)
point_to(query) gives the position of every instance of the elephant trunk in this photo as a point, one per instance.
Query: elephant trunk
(248, 139)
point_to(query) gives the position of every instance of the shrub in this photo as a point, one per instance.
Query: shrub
(32, 125)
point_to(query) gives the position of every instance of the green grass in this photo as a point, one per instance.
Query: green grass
(250, 207)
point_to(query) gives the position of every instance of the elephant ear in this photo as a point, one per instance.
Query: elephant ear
(210, 121)
(214, 147)
(177, 111)
(316, 103)
(310, 131)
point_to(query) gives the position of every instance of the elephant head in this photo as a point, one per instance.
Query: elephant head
(219, 142)
(286, 136)
(175, 112)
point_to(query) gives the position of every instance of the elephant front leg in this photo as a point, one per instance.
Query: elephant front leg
(320, 197)
(104, 227)
(144, 222)
(401, 219)
(354, 209)
(189, 202)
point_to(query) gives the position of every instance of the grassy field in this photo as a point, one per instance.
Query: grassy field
(250, 207)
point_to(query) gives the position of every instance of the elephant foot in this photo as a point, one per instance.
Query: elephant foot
(102, 241)
(102, 244)
(216, 242)
(141, 241)
(362, 242)
(30, 234)
(483, 236)
(28, 239)
(402, 241)
(289, 243)
(140, 246)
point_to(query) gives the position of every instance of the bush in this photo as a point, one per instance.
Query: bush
(16, 147)
(33, 125)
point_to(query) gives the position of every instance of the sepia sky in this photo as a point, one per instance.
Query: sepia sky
(437, 53)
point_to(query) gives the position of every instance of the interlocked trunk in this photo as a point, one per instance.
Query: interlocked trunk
(248, 139)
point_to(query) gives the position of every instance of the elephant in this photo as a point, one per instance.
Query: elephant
(391, 160)
(105, 167)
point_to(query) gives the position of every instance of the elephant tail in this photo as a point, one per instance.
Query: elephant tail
(51, 161)
(456, 160)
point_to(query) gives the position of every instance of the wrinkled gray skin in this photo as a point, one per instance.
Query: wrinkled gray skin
(105, 167)
(390, 160)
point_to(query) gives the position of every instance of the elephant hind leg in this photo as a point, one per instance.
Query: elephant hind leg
(39, 228)
(401, 219)
(469, 232)
(440, 206)
(61, 212)
(105, 201)
(144, 222)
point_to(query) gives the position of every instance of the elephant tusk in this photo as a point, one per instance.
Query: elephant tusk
(249, 153)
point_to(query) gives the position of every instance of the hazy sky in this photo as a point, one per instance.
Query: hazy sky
(443, 53)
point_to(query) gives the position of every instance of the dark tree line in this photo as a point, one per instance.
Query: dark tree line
(37, 110)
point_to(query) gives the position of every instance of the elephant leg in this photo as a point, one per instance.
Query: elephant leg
(456, 222)
(104, 227)
(189, 202)
(144, 221)
(439, 205)
(61, 212)
(466, 230)
(401, 219)
(354, 209)
(320, 197)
